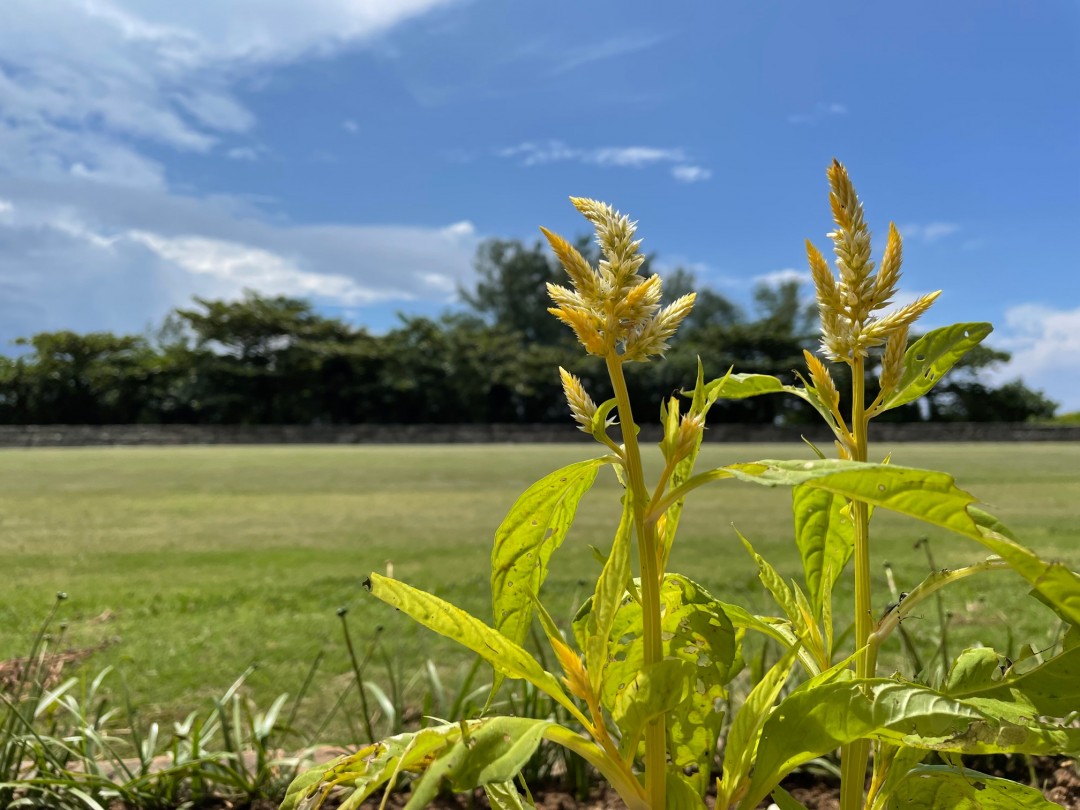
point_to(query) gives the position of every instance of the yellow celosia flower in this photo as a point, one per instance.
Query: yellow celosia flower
(847, 303)
(612, 308)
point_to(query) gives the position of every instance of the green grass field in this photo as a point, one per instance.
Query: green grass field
(198, 561)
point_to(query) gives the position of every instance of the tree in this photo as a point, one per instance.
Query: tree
(67, 378)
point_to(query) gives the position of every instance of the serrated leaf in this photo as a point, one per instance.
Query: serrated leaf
(489, 751)
(508, 659)
(825, 538)
(937, 787)
(813, 721)
(531, 532)
(928, 359)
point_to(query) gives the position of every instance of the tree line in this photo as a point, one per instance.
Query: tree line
(276, 360)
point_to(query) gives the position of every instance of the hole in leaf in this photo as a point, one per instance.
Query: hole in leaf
(619, 656)
(666, 636)
(919, 358)
(549, 533)
(881, 487)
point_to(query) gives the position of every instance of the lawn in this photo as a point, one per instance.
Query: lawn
(192, 563)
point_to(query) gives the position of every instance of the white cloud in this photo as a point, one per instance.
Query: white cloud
(92, 257)
(1045, 347)
(80, 78)
(929, 232)
(350, 126)
(690, 174)
(531, 153)
(239, 267)
(821, 111)
(783, 276)
(95, 238)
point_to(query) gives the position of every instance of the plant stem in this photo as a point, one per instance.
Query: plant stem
(655, 731)
(856, 755)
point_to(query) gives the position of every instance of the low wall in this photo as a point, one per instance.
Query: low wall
(97, 435)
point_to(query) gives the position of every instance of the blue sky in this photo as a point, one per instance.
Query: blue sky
(357, 151)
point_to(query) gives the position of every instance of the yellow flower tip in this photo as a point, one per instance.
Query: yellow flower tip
(581, 404)
(577, 679)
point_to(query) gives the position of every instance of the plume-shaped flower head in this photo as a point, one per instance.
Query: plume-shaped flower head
(612, 308)
(847, 302)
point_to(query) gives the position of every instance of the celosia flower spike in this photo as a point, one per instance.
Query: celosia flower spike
(846, 303)
(581, 404)
(613, 306)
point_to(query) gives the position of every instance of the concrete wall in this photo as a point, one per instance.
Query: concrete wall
(96, 435)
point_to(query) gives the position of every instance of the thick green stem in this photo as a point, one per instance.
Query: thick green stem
(655, 731)
(856, 755)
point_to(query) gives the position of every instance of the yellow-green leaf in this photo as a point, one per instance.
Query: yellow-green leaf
(938, 787)
(531, 532)
(508, 659)
(928, 359)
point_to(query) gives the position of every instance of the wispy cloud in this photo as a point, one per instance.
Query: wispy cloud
(608, 49)
(532, 153)
(821, 111)
(350, 126)
(249, 153)
(690, 174)
(929, 232)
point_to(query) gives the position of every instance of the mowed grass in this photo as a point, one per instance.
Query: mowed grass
(195, 562)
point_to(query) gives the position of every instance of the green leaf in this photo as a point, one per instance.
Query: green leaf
(1052, 688)
(813, 721)
(785, 801)
(929, 496)
(973, 670)
(681, 793)
(487, 752)
(825, 537)
(780, 591)
(655, 690)
(928, 359)
(508, 659)
(741, 386)
(946, 788)
(503, 796)
(742, 740)
(531, 532)
(610, 590)
(369, 768)
(696, 630)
